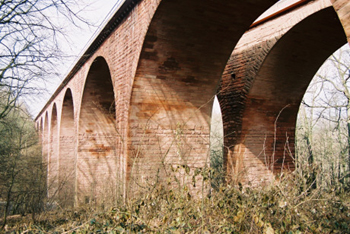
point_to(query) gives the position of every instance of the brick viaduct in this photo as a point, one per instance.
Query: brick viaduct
(138, 102)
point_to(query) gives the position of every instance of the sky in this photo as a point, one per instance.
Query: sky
(97, 12)
(78, 39)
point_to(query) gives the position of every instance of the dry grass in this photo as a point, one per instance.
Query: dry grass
(291, 205)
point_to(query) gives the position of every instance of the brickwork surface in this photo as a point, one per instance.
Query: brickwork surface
(179, 69)
(263, 84)
(138, 109)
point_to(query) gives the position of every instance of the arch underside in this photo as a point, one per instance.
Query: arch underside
(98, 161)
(45, 145)
(185, 51)
(260, 109)
(182, 60)
(67, 157)
(45, 136)
(53, 155)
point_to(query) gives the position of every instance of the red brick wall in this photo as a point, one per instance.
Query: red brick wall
(96, 173)
(53, 153)
(165, 61)
(67, 160)
(342, 8)
(98, 158)
(272, 66)
(182, 59)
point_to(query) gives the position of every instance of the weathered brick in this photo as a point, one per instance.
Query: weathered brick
(280, 58)
(141, 100)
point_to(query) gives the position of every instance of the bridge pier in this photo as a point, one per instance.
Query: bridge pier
(137, 105)
(263, 85)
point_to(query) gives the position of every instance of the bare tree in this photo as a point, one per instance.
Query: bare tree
(329, 110)
(22, 177)
(30, 33)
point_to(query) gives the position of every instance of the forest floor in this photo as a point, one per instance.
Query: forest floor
(291, 205)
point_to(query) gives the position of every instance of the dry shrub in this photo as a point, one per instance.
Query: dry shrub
(289, 205)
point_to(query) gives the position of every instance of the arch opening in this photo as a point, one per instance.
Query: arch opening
(322, 133)
(263, 143)
(98, 161)
(53, 155)
(45, 143)
(41, 131)
(184, 53)
(216, 145)
(67, 157)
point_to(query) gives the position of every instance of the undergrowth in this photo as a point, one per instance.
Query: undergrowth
(289, 205)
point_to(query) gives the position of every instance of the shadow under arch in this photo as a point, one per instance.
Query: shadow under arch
(46, 137)
(184, 53)
(53, 155)
(67, 150)
(45, 146)
(264, 145)
(97, 157)
(41, 130)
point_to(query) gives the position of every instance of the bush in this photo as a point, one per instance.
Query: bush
(22, 177)
(288, 205)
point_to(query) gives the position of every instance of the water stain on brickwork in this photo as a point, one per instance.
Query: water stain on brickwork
(186, 42)
(191, 79)
(169, 66)
(149, 41)
(100, 150)
(150, 55)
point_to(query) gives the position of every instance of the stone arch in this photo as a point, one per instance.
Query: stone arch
(45, 138)
(53, 153)
(216, 145)
(67, 156)
(40, 130)
(45, 144)
(98, 161)
(184, 53)
(266, 100)
(341, 7)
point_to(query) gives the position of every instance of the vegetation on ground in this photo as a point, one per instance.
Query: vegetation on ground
(312, 199)
(22, 174)
(289, 205)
